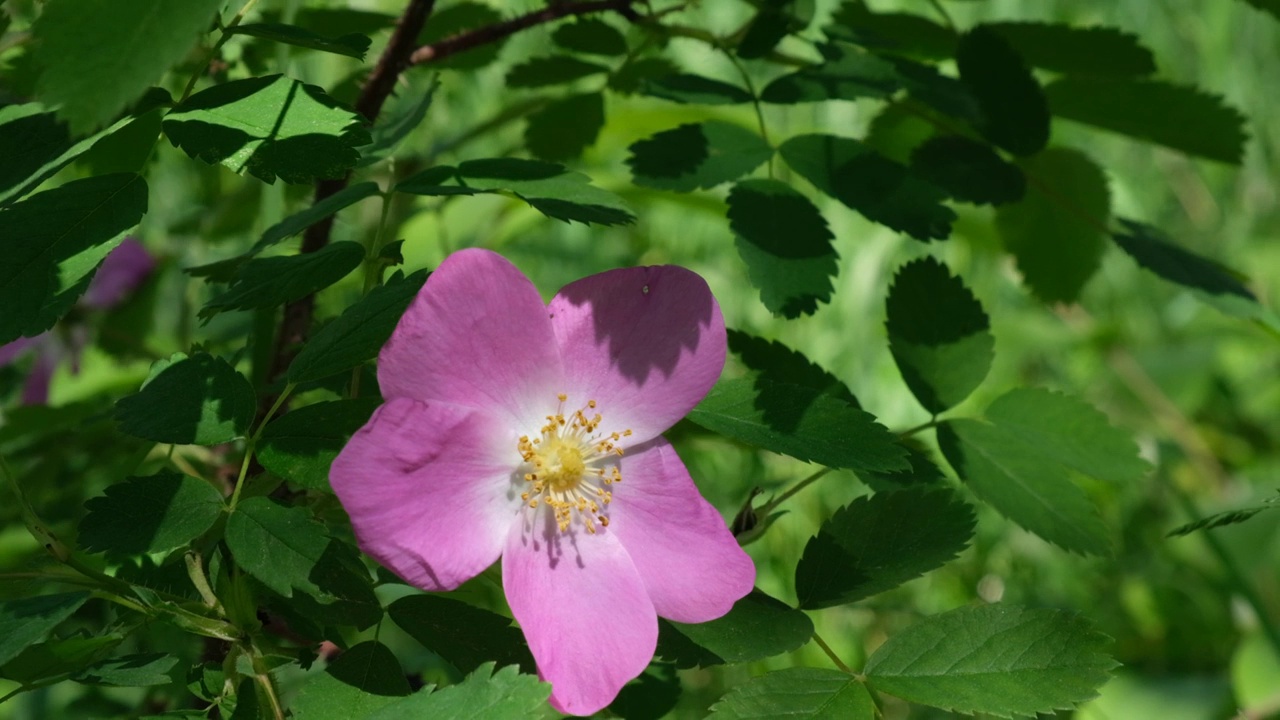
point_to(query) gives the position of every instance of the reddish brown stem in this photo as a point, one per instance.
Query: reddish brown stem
(493, 33)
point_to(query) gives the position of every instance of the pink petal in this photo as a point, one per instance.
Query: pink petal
(691, 565)
(124, 269)
(583, 610)
(36, 389)
(12, 350)
(646, 343)
(477, 335)
(428, 492)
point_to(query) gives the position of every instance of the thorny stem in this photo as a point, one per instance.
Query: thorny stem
(831, 654)
(213, 52)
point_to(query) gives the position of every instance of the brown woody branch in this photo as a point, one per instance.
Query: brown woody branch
(493, 33)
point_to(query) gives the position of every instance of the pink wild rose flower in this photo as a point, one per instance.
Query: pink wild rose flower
(531, 432)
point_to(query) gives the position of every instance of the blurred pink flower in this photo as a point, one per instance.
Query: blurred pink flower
(120, 273)
(532, 432)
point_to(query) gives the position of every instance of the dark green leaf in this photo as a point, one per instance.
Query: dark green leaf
(801, 422)
(455, 19)
(695, 90)
(277, 544)
(436, 181)
(799, 693)
(1269, 6)
(592, 36)
(882, 190)
(1222, 519)
(26, 620)
(877, 543)
(149, 515)
(1015, 114)
(300, 221)
(246, 701)
(357, 334)
(506, 695)
(551, 70)
(764, 33)
(267, 282)
(342, 592)
(128, 149)
(352, 44)
(1178, 117)
(1155, 252)
(396, 123)
(1077, 50)
(138, 670)
(549, 188)
(301, 445)
(904, 33)
(697, 155)
(757, 627)
(778, 363)
(199, 400)
(938, 333)
(923, 471)
(462, 634)
(845, 75)
(994, 659)
(786, 245)
(634, 74)
(339, 20)
(57, 659)
(1055, 232)
(132, 46)
(562, 129)
(269, 126)
(650, 696)
(363, 679)
(54, 241)
(968, 170)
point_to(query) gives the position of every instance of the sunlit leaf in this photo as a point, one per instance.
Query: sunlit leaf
(801, 693)
(363, 679)
(483, 695)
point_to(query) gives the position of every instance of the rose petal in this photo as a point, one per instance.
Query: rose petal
(692, 567)
(583, 610)
(124, 269)
(646, 343)
(477, 335)
(427, 491)
(13, 350)
(35, 391)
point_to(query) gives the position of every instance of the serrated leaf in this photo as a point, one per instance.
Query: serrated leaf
(199, 400)
(650, 696)
(786, 245)
(1005, 661)
(127, 149)
(351, 44)
(635, 73)
(270, 127)
(268, 282)
(551, 70)
(880, 189)
(1015, 114)
(395, 124)
(26, 620)
(904, 33)
(300, 445)
(775, 20)
(277, 544)
(877, 543)
(693, 89)
(58, 658)
(506, 695)
(1155, 252)
(362, 680)
(938, 333)
(151, 514)
(357, 334)
(757, 627)
(592, 36)
(1055, 232)
(1217, 520)
(968, 170)
(1179, 117)
(98, 56)
(799, 693)
(138, 670)
(563, 129)
(548, 187)
(697, 155)
(923, 471)
(458, 18)
(801, 422)
(54, 242)
(778, 363)
(300, 221)
(462, 634)
(844, 75)
(1062, 48)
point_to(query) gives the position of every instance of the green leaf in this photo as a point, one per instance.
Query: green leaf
(455, 19)
(362, 680)
(199, 400)
(551, 70)
(506, 695)
(1015, 114)
(1178, 117)
(938, 333)
(1055, 232)
(1077, 50)
(26, 620)
(58, 658)
(327, 207)
(268, 282)
(591, 36)
(877, 543)
(786, 245)
(923, 471)
(882, 190)
(799, 693)
(352, 45)
(650, 696)
(968, 170)
(1154, 251)
(359, 333)
(462, 634)
(270, 127)
(902, 33)
(301, 444)
(139, 670)
(634, 74)
(1222, 519)
(99, 56)
(775, 20)
(697, 155)
(563, 129)
(549, 188)
(1268, 6)
(127, 149)
(694, 90)
(801, 422)
(277, 544)
(149, 515)
(757, 627)
(994, 659)
(395, 123)
(342, 592)
(844, 75)
(778, 363)
(54, 241)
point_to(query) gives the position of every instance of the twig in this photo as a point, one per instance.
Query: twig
(497, 31)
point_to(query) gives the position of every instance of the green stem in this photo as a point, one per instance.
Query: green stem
(251, 445)
(213, 52)
(769, 506)
(922, 426)
(831, 654)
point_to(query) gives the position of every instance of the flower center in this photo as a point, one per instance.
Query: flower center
(570, 466)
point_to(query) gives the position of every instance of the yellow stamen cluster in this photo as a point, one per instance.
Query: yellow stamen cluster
(569, 466)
